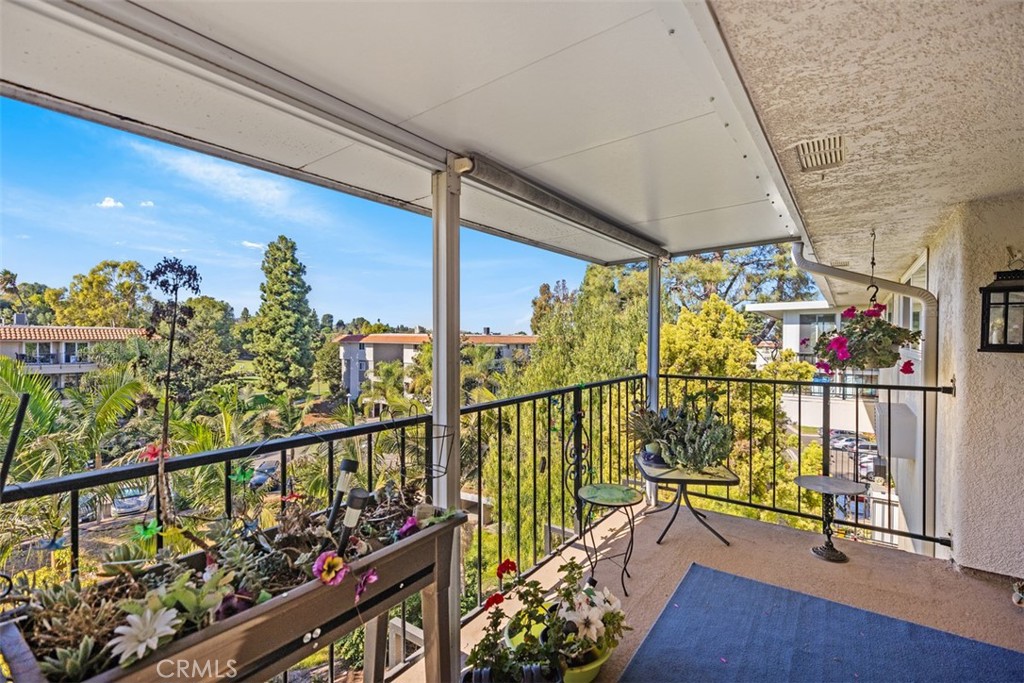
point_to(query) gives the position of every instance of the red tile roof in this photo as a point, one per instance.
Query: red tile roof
(42, 333)
(416, 339)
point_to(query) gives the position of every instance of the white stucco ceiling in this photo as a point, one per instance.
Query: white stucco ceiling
(929, 97)
(622, 107)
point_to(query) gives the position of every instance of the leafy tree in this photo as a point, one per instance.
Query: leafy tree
(207, 348)
(282, 336)
(327, 366)
(327, 323)
(737, 276)
(27, 298)
(113, 293)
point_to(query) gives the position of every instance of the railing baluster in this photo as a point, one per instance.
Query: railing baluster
(519, 499)
(74, 530)
(500, 506)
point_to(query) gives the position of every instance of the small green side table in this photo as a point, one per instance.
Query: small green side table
(614, 496)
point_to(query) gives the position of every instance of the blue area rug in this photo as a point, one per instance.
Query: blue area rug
(720, 627)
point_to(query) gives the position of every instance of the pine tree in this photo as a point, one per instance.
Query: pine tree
(282, 338)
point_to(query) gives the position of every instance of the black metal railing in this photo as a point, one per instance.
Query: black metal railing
(785, 428)
(524, 459)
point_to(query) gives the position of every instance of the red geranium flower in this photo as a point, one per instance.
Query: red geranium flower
(907, 368)
(291, 497)
(506, 567)
(495, 599)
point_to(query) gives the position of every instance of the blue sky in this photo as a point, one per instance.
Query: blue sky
(73, 193)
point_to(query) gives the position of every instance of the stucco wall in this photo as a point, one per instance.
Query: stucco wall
(979, 431)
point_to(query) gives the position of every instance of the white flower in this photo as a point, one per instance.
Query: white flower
(143, 632)
(210, 570)
(611, 602)
(590, 624)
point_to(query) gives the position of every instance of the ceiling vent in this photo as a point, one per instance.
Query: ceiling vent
(817, 155)
(840, 264)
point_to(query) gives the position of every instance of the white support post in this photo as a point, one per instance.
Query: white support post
(653, 347)
(446, 187)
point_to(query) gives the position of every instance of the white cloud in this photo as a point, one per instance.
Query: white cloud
(231, 181)
(110, 203)
(22, 237)
(253, 245)
(147, 204)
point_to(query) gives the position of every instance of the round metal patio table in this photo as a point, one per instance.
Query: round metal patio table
(829, 487)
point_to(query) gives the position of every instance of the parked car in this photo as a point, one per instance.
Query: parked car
(861, 445)
(131, 501)
(87, 508)
(873, 467)
(842, 442)
(266, 471)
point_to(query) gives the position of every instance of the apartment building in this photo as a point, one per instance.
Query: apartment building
(61, 353)
(361, 352)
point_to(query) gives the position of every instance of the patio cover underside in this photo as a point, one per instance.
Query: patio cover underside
(629, 110)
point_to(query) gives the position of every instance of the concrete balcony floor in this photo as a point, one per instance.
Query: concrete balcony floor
(919, 589)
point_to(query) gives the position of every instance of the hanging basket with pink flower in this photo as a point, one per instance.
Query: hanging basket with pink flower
(866, 340)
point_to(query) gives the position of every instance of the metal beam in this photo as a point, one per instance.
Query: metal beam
(446, 388)
(491, 174)
(653, 347)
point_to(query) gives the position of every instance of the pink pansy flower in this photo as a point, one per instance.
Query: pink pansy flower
(330, 568)
(823, 366)
(368, 577)
(850, 312)
(907, 368)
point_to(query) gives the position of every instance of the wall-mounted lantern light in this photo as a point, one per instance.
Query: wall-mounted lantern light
(1002, 310)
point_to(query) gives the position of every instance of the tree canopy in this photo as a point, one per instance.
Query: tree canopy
(112, 294)
(282, 336)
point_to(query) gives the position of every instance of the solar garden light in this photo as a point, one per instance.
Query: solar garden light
(357, 499)
(346, 477)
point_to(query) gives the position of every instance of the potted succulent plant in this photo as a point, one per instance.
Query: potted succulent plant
(697, 438)
(648, 427)
(866, 340)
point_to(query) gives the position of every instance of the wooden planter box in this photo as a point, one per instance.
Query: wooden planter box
(263, 641)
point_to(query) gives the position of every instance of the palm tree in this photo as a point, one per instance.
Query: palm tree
(9, 285)
(386, 386)
(95, 413)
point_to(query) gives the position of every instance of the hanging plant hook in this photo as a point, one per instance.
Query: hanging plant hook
(873, 288)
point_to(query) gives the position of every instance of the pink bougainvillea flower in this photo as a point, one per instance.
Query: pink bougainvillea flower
(803, 342)
(495, 599)
(850, 312)
(837, 342)
(150, 452)
(874, 312)
(368, 577)
(409, 528)
(879, 307)
(907, 368)
(330, 568)
(506, 567)
(843, 353)
(823, 366)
